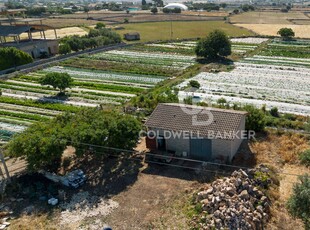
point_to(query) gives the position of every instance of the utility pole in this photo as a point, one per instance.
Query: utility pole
(171, 32)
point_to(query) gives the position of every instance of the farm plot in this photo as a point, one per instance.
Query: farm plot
(24, 100)
(286, 88)
(240, 45)
(165, 60)
(288, 53)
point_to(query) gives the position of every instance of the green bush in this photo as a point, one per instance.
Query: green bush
(305, 157)
(299, 203)
(11, 57)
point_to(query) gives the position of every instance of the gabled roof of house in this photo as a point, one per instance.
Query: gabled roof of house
(180, 117)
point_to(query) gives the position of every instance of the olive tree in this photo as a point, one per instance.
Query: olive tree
(57, 80)
(214, 46)
(299, 203)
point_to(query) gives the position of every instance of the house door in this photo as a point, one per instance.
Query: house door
(201, 149)
(161, 143)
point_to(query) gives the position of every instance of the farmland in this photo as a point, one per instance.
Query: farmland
(181, 30)
(301, 31)
(24, 100)
(257, 17)
(275, 77)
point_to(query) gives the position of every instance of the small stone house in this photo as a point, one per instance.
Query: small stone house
(133, 36)
(196, 132)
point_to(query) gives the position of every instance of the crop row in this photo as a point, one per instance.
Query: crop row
(258, 84)
(95, 74)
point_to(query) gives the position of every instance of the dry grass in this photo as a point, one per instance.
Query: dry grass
(266, 17)
(192, 29)
(301, 31)
(278, 149)
(61, 23)
(33, 222)
(281, 152)
(60, 33)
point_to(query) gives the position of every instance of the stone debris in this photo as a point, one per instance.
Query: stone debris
(234, 202)
(83, 205)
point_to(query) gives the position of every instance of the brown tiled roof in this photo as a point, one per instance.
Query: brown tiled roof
(178, 117)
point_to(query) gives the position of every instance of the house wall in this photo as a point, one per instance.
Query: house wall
(221, 148)
(175, 143)
(34, 48)
(237, 142)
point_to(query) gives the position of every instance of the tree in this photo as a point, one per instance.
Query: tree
(299, 203)
(11, 57)
(143, 2)
(43, 143)
(154, 10)
(255, 119)
(214, 46)
(236, 11)
(286, 33)
(64, 48)
(86, 10)
(126, 20)
(99, 25)
(158, 3)
(57, 80)
(194, 83)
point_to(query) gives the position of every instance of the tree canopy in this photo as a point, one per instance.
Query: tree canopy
(59, 81)
(43, 143)
(215, 45)
(12, 57)
(286, 33)
(299, 203)
(255, 120)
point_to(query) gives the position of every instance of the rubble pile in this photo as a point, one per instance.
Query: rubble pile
(234, 202)
(84, 205)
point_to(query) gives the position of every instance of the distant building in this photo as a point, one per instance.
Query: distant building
(176, 5)
(18, 32)
(132, 36)
(195, 132)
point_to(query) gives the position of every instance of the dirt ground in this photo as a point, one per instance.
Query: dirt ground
(50, 34)
(256, 17)
(301, 31)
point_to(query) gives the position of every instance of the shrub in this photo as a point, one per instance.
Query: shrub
(305, 157)
(194, 83)
(274, 112)
(299, 203)
(12, 57)
(255, 119)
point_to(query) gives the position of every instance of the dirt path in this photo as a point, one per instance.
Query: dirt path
(287, 181)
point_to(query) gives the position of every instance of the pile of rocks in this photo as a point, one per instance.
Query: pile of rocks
(234, 202)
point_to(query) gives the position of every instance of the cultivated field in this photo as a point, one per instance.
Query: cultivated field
(181, 30)
(301, 31)
(109, 79)
(267, 17)
(277, 77)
